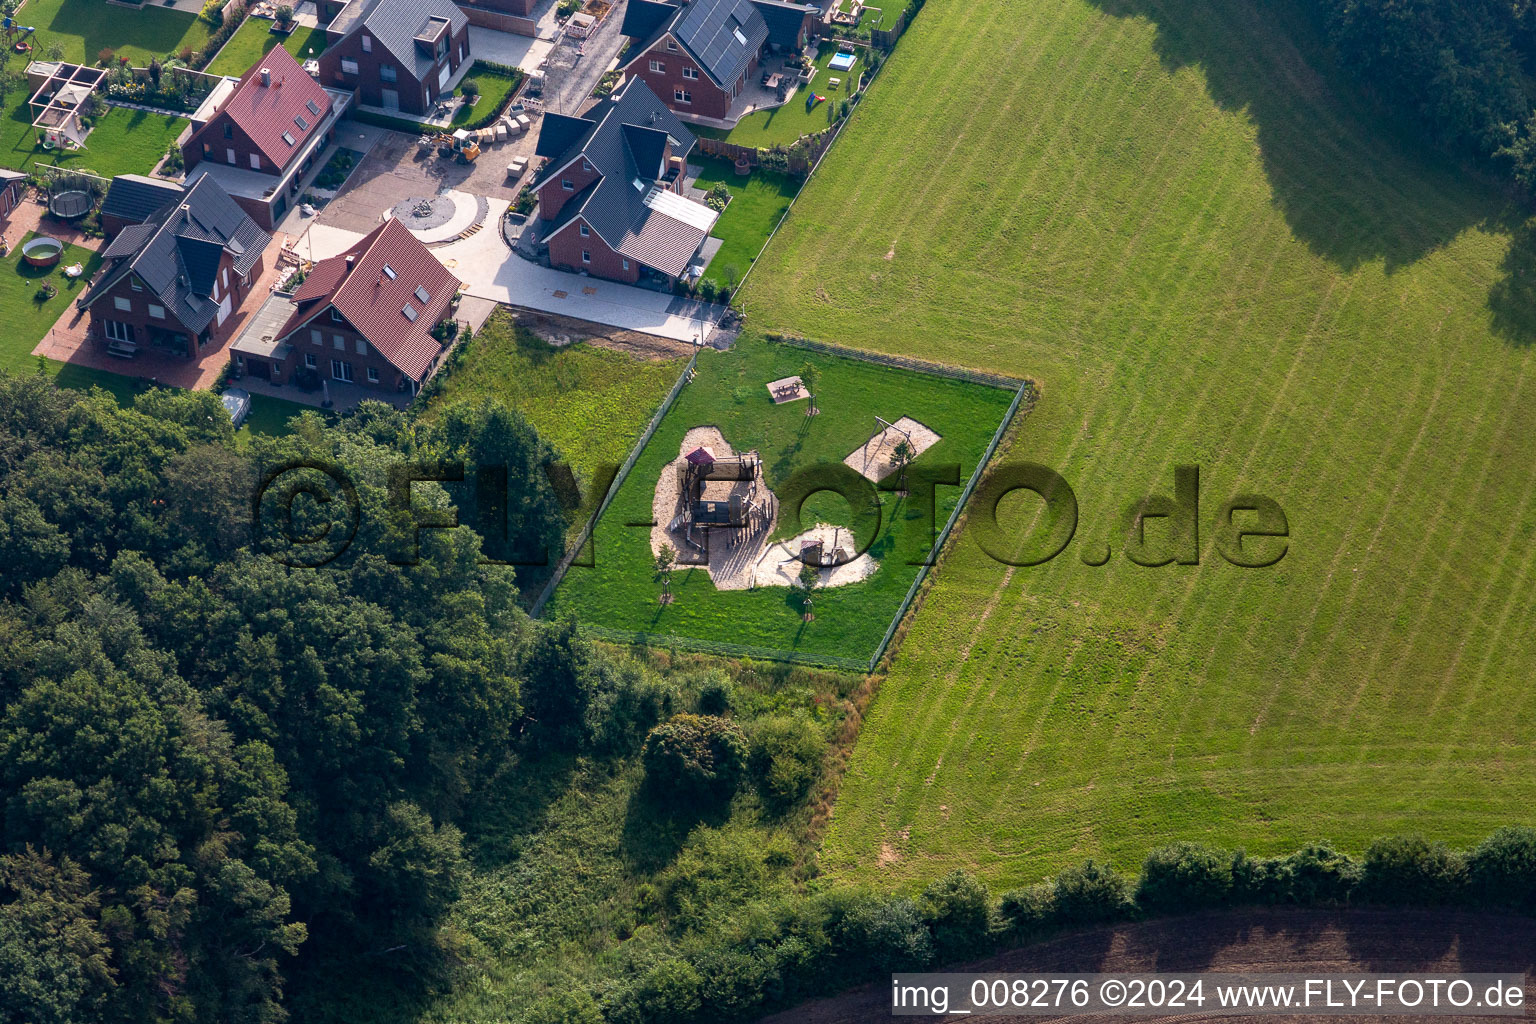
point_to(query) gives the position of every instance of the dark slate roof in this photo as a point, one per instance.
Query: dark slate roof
(559, 132)
(783, 21)
(625, 140)
(176, 253)
(645, 19)
(722, 36)
(133, 197)
(396, 23)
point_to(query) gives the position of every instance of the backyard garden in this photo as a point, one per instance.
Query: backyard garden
(84, 28)
(782, 125)
(757, 203)
(255, 37)
(619, 590)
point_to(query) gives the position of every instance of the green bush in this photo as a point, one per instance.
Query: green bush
(876, 935)
(564, 1007)
(1184, 876)
(1318, 875)
(786, 758)
(957, 911)
(695, 757)
(1501, 870)
(1090, 893)
(1410, 870)
(1028, 911)
(669, 991)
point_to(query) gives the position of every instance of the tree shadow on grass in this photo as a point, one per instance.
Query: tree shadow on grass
(1353, 186)
(1513, 299)
(655, 828)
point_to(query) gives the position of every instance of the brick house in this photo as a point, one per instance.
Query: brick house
(364, 316)
(396, 54)
(172, 281)
(611, 195)
(134, 199)
(699, 57)
(261, 137)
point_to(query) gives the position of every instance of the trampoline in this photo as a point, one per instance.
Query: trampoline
(74, 203)
(841, 61)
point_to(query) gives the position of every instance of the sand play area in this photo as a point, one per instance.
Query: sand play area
(743, 558)
(873, 460)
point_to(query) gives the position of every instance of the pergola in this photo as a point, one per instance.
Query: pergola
(56, 103)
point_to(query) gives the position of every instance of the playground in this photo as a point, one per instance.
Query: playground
(747, 490)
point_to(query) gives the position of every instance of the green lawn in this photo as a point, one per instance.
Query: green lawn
(268, 416)
(494, 88)
(729, 392)
(27, 319)
(757, 203)
(124, 141)
(85, 27)
(783, 125)
(1179, 219)
(590, 402)
(254, 38)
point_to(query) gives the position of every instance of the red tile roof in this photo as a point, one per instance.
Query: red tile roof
(266, 112)
(374, 302)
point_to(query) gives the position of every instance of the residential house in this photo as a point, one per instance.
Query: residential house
(364, 317)
(701, 56)
(611, 194)
(133, 199)
(263, 136)
(396, 54)
(172, 282)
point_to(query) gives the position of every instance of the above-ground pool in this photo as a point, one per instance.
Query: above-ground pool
(841, 61)
(42, 251)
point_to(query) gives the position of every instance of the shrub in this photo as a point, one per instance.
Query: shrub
(1411, 870)
(1318, 874)
(877, 935)
(669, 991)
(1501, 870)
(564, 1007)
(786, 757)
(957, 912)
(1090, 893)
(105, 55)
(470, 89)
(1185, 876)
(213, 12)
(1028, 911)
(715, 696)
(695, 756)
(718, 197)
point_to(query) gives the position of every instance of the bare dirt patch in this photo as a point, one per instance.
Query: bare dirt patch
(1258, 940)
(564, 330)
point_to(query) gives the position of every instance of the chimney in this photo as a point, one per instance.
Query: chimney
(266, 76)
(350, 261)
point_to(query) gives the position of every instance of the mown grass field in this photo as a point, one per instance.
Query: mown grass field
(255, 37)
(589, 402)
(618, 590)
(758, 201)
(1178, 219)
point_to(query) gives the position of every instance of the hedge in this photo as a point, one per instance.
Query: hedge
(805, 946)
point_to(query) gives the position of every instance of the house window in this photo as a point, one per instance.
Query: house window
(122, 304)
(348, 67)
(585, 166)
(657, 65)
(341, 370)
(626, 264)
(692, 74)
(586, 256)
(362, 347)
(373, 375)
(229, 155)
(158, 312)
(585, 231)
(336, 315)
(133, 282)
(338, 342)
(119, 331)
(207, 151)
(310, 362)
(225, 277)
(255, 161)
(367, 44)
(567, 184)
(315, 337)
(229, 130)
(386, 73)
(682, 95)
(672, 45)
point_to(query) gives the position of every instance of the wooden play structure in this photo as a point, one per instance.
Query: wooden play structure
(721, 493)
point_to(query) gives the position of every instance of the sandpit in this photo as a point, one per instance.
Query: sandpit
(873, 460)
(743, 558)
